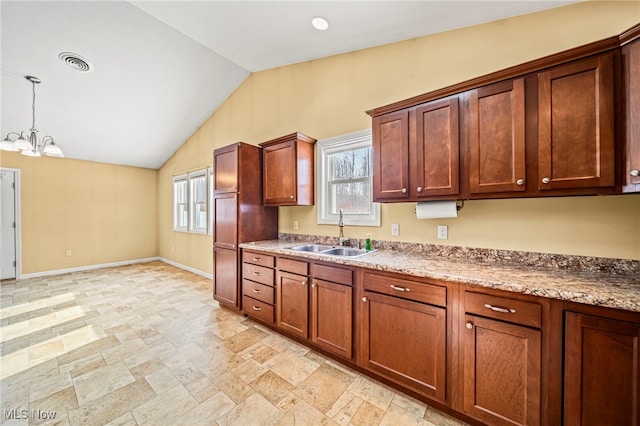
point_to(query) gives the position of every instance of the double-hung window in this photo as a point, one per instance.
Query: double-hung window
(180, 203)
(198, 201)
(345, 180)
(210, 177)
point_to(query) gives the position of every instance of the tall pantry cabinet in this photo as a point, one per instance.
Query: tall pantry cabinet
(239, 216)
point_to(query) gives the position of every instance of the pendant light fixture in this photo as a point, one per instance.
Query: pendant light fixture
(30, 145)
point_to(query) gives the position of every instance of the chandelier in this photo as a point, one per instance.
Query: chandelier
(30, 145)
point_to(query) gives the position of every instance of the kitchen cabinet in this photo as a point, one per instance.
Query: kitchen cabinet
(576, 144)
(332, 309)
(258, 281)
(239, 216)
(602, 371)
(501, 346)
(631, 69)
(288, 173)
(497, 138)
(292, 296)
(416, 152)
(404, 332)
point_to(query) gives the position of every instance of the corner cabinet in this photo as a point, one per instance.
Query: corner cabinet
(288, 170)
(416, 152)
(576, 145)
(631, 67)
(602, 371)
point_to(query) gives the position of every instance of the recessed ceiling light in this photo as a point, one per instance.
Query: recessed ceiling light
(319, 23)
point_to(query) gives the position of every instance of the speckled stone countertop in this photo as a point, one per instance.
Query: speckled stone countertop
(619, 290)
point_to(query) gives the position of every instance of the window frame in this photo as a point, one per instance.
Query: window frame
(182, 179)
(327, 147)
(210, 195)
(192, 177)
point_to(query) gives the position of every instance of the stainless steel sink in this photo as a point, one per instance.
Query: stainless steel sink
(330, 250)
(316, 248)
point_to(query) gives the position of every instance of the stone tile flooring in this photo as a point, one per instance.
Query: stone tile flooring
(146, 344)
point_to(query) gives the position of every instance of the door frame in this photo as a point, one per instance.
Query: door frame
(18, 219)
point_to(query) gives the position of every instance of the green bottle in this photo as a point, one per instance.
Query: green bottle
(368, 243)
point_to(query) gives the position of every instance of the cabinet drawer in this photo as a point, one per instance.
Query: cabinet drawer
(332, 273)
(412, 290)
(516, 311)
(254, 290)
(258, 258)
(257, 309)
(257, 273)
(293, 266)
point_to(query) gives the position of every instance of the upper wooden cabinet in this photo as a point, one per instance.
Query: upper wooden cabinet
(416, 152)
(576, 126)
(288, 171)
(497, 138)
(631, 67)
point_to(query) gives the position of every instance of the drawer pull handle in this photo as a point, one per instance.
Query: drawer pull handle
(255, 290)
(256, 273)
(499, 309)
(256, 308)
(257, 259)
(395, 287)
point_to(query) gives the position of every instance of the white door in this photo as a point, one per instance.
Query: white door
(8, 224)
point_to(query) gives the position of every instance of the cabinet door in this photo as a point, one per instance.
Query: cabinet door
(631, 56)
(391, 156)
(225, 209)
(225, 276)
(225, 166)
(501, 372)
(292, 303)
(280, 173)
(406, 342)
(434, 160)
(497, 138)
(576, 125)
(597, 389)
(331, 317)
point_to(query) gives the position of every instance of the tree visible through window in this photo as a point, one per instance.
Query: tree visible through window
(345, 180)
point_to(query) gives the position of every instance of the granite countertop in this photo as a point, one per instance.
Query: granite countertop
(607, 289)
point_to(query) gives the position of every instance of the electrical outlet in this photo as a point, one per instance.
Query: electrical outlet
(295, 225)
(443, 232)
(395, 229)
(68, 253)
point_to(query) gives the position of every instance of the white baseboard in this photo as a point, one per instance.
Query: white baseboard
(86, 268)
(186, 268)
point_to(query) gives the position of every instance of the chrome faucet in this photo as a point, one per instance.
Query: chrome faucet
(342, 239)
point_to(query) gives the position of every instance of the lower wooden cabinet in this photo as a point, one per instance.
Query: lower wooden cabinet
(501, 372)
(292, 303)
(602, 371)
(331, 317)
(225, 288)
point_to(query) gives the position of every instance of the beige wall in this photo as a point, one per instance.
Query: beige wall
(328, 97)
(103, 213)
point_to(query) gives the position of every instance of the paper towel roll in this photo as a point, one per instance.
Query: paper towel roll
(436, 209)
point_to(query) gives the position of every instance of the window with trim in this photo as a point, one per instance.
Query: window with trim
(345, 180)
(180, 203)
(198, 201)
(210, 174)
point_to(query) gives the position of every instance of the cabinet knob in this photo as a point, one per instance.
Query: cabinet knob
(635, 173)
(419, 189)
(404, 190)
(520, 182)
(364, 299)
(291, 197)
(313, 285)
(469, 325)
(546, 180)
(303, 283)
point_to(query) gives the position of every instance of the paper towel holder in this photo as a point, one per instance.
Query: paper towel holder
(459, 205)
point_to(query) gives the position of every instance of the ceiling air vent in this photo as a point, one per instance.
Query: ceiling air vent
(75, 61)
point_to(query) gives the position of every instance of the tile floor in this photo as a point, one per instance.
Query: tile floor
(145, 344)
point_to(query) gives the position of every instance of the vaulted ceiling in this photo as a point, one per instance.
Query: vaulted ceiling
(160, 68)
